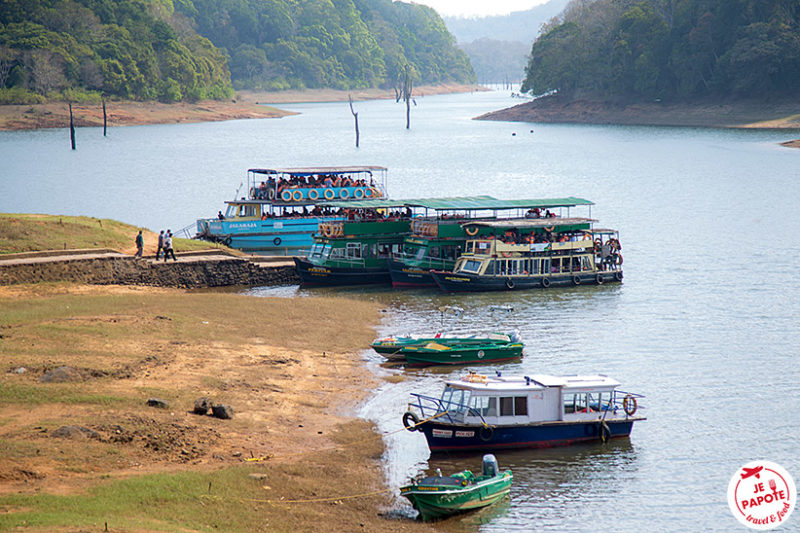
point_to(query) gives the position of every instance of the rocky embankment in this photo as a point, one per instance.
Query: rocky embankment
(108, 267)
(738, 114)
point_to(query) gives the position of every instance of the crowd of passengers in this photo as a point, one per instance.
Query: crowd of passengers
(349, 214)
(310, 182)
(537, 213)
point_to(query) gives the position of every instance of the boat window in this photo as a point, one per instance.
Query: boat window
(397, 248)
(450, 252)
(545, 266)
(586, 263)
(514, 406)
(420, 252)
(353, 250)
(433, 251)
(384, 250)
(490, 267)
(482, 246)
(316, 249)
(231, 211)
(512, 267)
(470, 265)
(470, 246)
(337, 253)
(455, 399)
(251, 210)
(484, 405)
(575, 402)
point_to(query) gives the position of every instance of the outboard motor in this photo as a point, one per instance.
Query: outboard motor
(515, 336)
(490, 467)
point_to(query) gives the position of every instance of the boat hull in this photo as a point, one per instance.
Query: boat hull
(284, 235)
(462, 282)
(435, 504)
(462, 355)
(409, 277)
(311, 274)
(455, 437)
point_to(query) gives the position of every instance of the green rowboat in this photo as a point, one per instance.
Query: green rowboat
(442, 496)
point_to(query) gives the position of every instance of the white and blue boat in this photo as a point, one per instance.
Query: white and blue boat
(478, 412)
(284, 206)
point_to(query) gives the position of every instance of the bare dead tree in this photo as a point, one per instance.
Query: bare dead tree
(408, 88)
(355, 116)
(6, 63)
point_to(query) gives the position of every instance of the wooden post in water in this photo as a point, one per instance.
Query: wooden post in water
(355, 116)
(105, 117)
(71, 128)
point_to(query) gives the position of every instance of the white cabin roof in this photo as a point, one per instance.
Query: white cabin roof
(479, 382)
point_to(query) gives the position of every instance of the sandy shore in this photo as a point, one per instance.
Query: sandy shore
(293, 376)
(247, 104)
(742, 114)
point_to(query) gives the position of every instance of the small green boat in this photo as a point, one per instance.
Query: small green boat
(442, 496)
(449, 348)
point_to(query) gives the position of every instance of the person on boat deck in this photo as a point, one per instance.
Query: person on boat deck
(220, 215)
(328, 181)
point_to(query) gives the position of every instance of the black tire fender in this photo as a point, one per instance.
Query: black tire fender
(509, 283)
(486, 433)
(545, 282)
(410, 421)
(576, 280)
(276, 241)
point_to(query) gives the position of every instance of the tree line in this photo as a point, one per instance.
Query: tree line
(175, 50)
(678, 49)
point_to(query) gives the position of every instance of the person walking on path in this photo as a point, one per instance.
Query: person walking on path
(168, 247)
(160, 245)
(139, 245)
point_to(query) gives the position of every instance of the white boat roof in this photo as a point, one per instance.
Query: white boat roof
(480, 382)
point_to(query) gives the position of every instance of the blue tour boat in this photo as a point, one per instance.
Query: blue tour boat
(478, 412)
(281, 210)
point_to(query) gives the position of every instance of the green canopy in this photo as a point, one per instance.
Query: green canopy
(461, 203)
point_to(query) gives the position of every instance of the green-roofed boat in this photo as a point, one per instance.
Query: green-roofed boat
(355, 251)
(439, 236)
(442, 496)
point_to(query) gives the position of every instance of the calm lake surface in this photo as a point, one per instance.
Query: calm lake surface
(705, 324)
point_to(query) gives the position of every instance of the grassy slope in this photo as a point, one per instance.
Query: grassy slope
(71, 485)
(31, 233)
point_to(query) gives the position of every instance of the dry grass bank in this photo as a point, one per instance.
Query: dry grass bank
(289, 368)
(31, 233)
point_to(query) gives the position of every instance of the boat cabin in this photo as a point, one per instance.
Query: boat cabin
(309, 185)
(476, 399)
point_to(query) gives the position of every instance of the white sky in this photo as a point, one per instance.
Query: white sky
(478, 8)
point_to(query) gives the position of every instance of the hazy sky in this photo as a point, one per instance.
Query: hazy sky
(472, 8)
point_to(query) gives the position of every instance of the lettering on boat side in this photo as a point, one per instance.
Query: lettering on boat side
(451, 278)
(443, 433)
(319, 270)
(465, 433)
(244, 225)
(762, 495)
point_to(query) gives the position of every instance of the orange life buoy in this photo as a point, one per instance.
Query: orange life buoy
(376, 193)
(329, 194)
(471, 230)
(368, 192)
(313, 194)
(286, 196)
(344, 194)
(359, 193)
(587, 236)
(297, 195)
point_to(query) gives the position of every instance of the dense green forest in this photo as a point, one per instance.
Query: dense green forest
(277, 44)
(677, 49)
(175, 50)
(78, 48)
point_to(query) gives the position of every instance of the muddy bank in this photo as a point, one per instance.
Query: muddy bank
(247, 104)
(555, 109)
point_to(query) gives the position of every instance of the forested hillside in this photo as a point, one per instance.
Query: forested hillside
(277, 44)
(175, 50)
(125, 48)
(680, 49)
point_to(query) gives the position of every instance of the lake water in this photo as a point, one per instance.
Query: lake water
(705, 324)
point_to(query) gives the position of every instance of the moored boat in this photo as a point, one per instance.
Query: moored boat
(282, 208)
(479, 412)
(437, 240)
(442, 496)
(535, 253)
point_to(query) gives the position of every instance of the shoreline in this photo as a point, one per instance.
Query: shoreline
(294, 395)
(246, 105)
(741, 114)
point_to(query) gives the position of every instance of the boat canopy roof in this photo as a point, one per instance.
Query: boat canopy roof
(463, 203)
(531, 223)
(478, 382)
(309, 171)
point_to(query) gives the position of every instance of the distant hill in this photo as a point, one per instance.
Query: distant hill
(498, 46)
(521, 26)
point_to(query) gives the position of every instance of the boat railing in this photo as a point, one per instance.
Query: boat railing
(621, 401)
(290, 194)
(430, 407)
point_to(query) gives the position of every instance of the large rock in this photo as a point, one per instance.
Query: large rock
(201, 406)
(222, 411)
(62, 374)
(158, 402)
(75, 432)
